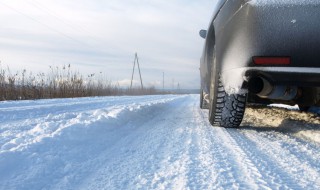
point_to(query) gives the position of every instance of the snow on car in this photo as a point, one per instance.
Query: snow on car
(260, 51)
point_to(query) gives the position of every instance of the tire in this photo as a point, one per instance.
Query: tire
(304, 108)
(224, 110)
(201, 99)
(203, 103)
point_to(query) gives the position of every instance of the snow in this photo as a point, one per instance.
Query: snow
(153, 142)
(295, 107)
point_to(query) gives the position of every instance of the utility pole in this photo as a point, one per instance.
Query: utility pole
(163, 82)
(173, 88)
(134, 64)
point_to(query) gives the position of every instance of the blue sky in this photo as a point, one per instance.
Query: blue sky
(102, 36)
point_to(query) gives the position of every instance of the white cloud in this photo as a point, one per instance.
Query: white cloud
(95, 36)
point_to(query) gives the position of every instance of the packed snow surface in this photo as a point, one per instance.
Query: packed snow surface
(153, 142)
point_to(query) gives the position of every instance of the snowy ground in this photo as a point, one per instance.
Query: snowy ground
(153, 142)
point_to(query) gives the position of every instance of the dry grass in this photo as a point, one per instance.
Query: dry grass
(60, 82)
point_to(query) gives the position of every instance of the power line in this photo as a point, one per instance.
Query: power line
(43, 24)
(46, 10)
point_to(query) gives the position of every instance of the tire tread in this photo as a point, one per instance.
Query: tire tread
(229, 109)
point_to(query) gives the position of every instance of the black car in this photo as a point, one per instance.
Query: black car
(262, 52)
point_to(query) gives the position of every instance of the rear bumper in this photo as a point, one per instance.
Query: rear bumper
(235, 80)
(293, 76)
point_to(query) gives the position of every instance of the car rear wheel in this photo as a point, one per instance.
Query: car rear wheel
(203, 102)
(225, 110)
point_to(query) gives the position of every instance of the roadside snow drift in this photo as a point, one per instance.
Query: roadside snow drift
(153, 142)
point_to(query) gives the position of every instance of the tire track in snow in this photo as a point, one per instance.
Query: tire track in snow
(163, 164)
(292, 154)
(293, 168)
(213, 164)
(265, 172)
(273, 175)
(200, 173)
(305, 151)
(236, 169)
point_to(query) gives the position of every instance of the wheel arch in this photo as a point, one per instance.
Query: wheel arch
(210, 46)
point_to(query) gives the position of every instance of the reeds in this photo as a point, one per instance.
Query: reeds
(60, 82)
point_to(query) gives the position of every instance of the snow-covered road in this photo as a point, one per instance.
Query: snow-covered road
(153, 142)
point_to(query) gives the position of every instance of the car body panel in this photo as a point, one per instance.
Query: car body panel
(242, 29)
(207, 56)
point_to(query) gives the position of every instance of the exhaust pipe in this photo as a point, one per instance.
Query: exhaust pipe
(264, 89)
